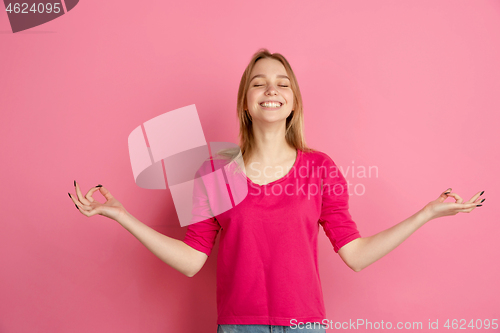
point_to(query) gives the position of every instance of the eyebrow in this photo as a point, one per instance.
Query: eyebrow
(278, 76)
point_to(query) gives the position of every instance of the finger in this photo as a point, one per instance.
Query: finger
(467, 210)
(75, 201)
(444, 195)
(458, 199)
(84, 207)
(80, 195)
(465, 207)
(479, 200)
(476, 196)
(86, 210)
(89, 194)
(104, 191)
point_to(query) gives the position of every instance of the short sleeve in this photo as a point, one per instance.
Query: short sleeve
(335, 218)
(201, 235)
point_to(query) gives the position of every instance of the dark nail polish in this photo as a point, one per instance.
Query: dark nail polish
(76, 206)
(99, 185)
(74, 182)
(482, 200)
(478, 205)
(481, 193)
(69, 195)
(447, 192)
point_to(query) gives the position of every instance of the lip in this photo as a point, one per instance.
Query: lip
(270, 101)
(270, 108)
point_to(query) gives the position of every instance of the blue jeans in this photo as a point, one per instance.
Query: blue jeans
(314, 328)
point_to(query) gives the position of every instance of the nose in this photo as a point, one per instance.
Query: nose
(271, 90)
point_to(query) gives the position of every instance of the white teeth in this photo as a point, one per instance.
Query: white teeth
(271, 105)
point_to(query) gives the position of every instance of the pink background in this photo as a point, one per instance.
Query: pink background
(408, 87)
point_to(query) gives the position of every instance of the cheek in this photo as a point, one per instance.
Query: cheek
(251, 98)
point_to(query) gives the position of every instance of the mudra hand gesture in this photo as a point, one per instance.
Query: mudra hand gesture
(88, 206)
(439, 208)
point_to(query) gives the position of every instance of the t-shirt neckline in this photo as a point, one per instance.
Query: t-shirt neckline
(282, 178)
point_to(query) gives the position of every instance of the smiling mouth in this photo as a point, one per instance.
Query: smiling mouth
(271, 105)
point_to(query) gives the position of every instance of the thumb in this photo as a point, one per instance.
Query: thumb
(104, 191)
(444, 195)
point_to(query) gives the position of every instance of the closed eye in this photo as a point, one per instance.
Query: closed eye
(259, 85)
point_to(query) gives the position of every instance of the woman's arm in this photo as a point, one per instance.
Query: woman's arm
(363, 252)
(173, 252)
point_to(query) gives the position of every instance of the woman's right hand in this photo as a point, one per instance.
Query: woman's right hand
(88, 206)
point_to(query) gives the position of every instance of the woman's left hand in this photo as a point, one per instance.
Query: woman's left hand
(439, 208)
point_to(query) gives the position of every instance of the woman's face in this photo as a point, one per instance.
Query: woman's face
(269, 83)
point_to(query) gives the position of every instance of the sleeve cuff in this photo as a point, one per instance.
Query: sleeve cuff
(346, 240)
(195, 245)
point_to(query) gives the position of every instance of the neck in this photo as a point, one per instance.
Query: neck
(270, 145)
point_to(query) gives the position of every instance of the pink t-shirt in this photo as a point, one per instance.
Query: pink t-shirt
(267, 264)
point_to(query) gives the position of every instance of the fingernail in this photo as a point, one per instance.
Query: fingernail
(478, 205)
(69, 195)
(99, 185)
(76, 206)
(74, 182)
(482, 200)
(447, 192)
(481, 193)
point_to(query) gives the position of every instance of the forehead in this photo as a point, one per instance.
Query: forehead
(268, 67)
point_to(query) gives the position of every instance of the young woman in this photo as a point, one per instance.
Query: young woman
(267, 270)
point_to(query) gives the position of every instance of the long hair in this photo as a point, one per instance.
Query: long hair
(294, 134)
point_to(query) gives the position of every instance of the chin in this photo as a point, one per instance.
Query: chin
(273, 119)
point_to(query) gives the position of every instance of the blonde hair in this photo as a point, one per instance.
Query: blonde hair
(294, 134)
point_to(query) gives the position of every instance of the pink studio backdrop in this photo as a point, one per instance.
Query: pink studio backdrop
(408, 88)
